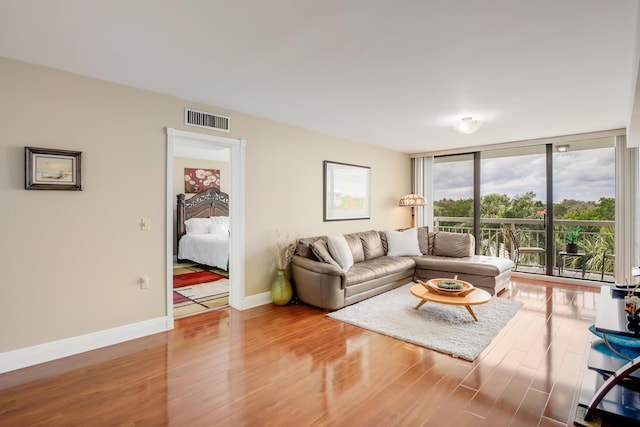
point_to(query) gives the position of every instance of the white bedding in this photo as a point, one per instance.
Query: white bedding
(208, 249)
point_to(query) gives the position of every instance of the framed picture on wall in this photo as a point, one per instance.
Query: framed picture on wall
(347, 191)
(197, 180)
(50, 169)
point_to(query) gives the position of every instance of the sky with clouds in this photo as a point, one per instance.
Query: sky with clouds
(584, 175)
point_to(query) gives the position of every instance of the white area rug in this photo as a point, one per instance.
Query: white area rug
(445, 328)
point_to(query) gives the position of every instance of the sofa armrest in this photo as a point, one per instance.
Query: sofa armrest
(317, 266)
(318, 283)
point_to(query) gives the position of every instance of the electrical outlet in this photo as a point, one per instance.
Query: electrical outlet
(145, 224)
(144, 282)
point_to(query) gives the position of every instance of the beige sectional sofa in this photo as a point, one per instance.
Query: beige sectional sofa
(331, 272)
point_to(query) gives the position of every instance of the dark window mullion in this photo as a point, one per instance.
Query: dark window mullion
(476, 200)
(549, 219)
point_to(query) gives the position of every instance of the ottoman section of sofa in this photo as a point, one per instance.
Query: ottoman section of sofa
(489, 273)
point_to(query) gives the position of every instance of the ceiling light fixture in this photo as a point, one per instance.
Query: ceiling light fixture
(466, 125)
(562, 148)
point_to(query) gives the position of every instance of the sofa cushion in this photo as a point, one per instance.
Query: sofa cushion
(385, 244)
(478, 265)
(303, 247)
(376, 268)
(423, 240)
(321, 251)
(456, 245)
(432, 239)
(355, 245)
(340, 251)
(403, 243)
(372, 245)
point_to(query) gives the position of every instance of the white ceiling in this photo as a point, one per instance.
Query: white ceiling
(387, 72)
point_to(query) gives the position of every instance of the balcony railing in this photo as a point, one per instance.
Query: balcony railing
(596, 241)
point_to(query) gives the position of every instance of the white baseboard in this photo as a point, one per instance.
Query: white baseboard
(255, 300)
(41, 353)
(29, 356)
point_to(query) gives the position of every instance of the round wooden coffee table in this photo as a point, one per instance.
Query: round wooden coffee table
(476, 297)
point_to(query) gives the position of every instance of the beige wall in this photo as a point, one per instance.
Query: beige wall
(179, 163)
(72, 260)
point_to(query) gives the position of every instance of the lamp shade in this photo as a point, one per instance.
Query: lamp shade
(466, 125)
(412, 199)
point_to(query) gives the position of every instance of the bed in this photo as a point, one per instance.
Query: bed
(203, 228)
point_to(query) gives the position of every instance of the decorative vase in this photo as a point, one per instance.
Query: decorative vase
(281, 290)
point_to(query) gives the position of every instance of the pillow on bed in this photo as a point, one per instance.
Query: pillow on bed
(197, 225)
(220, 220)
(219, 230)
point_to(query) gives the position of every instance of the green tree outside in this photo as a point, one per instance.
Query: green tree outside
(595, 241)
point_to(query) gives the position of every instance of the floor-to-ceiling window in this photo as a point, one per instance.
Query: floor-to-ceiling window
(584, 206)
(540, 193)
(453, 187)
(513, 194)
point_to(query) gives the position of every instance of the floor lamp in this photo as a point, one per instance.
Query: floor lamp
(412, 200)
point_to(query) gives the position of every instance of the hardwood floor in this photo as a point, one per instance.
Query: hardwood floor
(292, 365)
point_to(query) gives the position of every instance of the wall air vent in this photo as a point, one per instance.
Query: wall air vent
(205, 120)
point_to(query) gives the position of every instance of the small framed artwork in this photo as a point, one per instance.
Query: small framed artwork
(347, 191)
(49, 169)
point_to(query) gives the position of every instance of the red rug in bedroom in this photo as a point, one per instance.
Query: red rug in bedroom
(189, 279)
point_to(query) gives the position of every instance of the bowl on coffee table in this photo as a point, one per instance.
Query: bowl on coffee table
(451, 287)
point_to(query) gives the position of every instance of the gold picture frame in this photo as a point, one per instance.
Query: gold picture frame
(50, 169)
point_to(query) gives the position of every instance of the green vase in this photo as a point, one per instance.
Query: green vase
(281, 290)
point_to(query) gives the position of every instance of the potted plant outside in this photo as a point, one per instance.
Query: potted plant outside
(571, 239)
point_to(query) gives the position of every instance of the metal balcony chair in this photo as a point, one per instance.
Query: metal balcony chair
(517, 250)
(605, 255)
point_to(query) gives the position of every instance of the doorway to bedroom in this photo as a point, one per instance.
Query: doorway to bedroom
(200, 185)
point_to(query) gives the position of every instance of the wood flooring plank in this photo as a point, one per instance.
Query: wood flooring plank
(494, 387)
(565, 388)
(507, 404)
(530, 411)
(451, 413)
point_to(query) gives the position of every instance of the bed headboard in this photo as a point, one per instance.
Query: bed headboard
(210, 202)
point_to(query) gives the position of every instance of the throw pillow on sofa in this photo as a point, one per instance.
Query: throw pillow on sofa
(455, 245)
(403, 243)
(321, 251)
(423, 240)
(339, 250)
